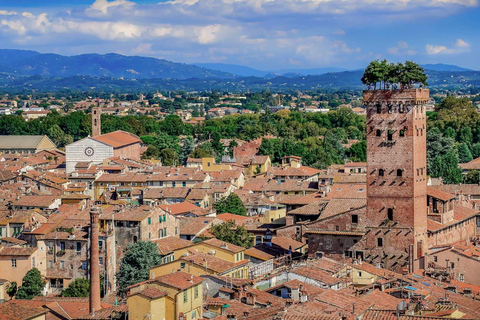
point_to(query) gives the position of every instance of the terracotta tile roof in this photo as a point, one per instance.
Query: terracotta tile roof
(239, 220)
(194, 160)
(316, 274)
(291, 185)
(287, 243)
(179, 280)
(16, 251)
(12, 240)
(14, 311)
(259, 254)
(151, 293)
(235, 308)
(122, 177)
(350, 178)
(197, 194)
(337, 206)
(472, 165)
(35, 201)
(130, 213)
(439, 194)
(118, 138)
(314, 208)
(163, 193)
(370, 268)
(257, 160)
(467, 189)
(179, 208)
(106, 313)
(302, 171)
(170, 244)
(348, 191)
(311, 290)
(224, 245)
(6, 175)
(195, 225)
(213, 263)
(459, 213)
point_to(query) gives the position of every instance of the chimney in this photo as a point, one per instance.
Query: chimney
(94, 302)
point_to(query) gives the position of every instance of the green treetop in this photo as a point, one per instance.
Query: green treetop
(393, 75)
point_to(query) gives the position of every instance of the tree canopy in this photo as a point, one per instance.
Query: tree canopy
(231, 233)
(136, 264)
(232, 204)
(32, 285)
(394, 75)
(79, 287)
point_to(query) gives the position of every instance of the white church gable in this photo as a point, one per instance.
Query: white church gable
(86, 150)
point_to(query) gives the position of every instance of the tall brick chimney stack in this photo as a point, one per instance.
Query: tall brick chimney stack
(96, 122)
(95, 304)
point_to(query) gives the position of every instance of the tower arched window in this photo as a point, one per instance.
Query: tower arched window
(399, 172)
(379, 132)
(381, 172)
(379, 108)
(390, 135)
(390, 214)
(401, 133)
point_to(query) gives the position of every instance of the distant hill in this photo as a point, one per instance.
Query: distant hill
(234, 69)
(108, 65)
(444, 67)
(311, 72)
(244, 71)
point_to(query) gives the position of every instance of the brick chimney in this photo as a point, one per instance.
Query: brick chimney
(94, 304)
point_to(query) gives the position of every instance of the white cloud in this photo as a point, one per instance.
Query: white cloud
(433, 49)
(8, 13)
(402, 48)
(340, 32)
(460, 46)
(100, 7)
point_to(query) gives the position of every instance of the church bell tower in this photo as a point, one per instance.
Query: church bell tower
(96, 122)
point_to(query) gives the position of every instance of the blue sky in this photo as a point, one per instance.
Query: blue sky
(263, 34)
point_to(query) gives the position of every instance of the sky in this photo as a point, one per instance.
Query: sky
(262, 34)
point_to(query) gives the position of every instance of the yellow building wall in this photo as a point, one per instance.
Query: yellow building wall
(176, 265)
(272, 215)
(45, 144)
(24, 264)
(42, 317)
(139, 307)
(192, 304)
(208, 165)
(360, 277)
(205, 248)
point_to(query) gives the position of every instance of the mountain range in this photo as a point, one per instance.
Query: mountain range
(23, 71)
(113, 65)
(30, 63)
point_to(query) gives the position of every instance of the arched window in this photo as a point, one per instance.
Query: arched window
(379, 108)
(390, 108)
(390, 135)
(401, 108)
(399, 172)
(390, 214)
(379, 132)
(381, 172)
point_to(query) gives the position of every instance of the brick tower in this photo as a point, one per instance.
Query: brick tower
(94, 301)
(96, 122)
(396, 178)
